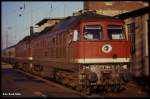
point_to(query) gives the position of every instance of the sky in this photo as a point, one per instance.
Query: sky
(17, 17)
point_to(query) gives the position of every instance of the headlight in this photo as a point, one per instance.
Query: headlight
(87, 67)
(102, 67)
(124, 66)
(107, 67)
(92, 77)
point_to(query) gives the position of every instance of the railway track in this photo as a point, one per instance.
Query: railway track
(47, 80)
(98, 93)
(131, 90)
(52, 82)
(16, 81)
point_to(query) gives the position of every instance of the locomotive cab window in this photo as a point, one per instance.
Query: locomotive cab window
(115, 32)
(92, 32)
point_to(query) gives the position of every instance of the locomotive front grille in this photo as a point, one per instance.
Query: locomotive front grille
(106, 73)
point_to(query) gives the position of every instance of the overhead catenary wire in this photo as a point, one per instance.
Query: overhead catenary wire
(29, 27)
(37, 10)
(17, 13)
(24, 13)
(54, 8)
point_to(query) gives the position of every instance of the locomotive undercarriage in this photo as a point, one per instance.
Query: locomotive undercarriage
(109, 77)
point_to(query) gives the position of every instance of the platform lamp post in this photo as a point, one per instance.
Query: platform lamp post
(9, 53)
(31, 33)
(7, 32)
(30, 46)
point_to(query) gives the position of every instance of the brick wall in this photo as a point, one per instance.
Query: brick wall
(114, 7)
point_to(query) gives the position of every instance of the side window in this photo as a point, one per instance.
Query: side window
(53, 47)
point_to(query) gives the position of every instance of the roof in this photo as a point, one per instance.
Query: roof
(13, 46)
(133, 13)
(72, 20)
(24, 39)
(46, 29)
(45, 20)
(36, 34)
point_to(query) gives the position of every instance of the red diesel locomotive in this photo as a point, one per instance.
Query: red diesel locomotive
(86, 51)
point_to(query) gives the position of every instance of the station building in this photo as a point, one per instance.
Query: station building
(46, 23)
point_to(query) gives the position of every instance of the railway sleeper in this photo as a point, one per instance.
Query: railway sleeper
(65, 81)
(86, 89)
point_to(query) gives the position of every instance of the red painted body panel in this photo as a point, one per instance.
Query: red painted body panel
(29, 51)
(93, 49)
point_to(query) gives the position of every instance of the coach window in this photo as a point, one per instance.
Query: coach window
(115, 32)
(92, 32)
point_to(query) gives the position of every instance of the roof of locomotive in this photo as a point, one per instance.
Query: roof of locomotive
(25, 38)
(10, 47)
(71, 20)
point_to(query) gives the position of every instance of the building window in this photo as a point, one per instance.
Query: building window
(131, 33)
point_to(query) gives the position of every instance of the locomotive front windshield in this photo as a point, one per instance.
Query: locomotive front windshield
(115, 32)
(92, 32)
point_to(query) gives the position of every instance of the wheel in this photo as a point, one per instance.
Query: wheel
(108, 88)
(86, 88)
(15, 66)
